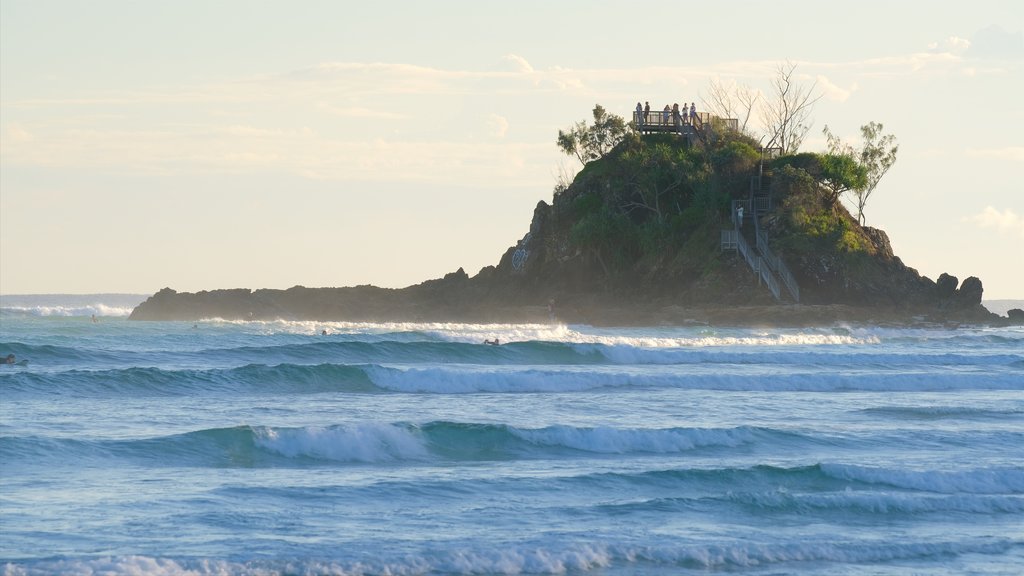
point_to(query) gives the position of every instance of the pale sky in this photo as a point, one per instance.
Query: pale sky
(255, 144)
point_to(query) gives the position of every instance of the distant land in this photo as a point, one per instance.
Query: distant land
(682, 225)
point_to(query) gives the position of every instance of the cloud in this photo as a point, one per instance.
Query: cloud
(517, 64)
(1007, 222)
(951, 45)
(497, 125)
(18, 134)
(834, 92)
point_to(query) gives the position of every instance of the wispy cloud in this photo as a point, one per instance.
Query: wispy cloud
(1006, 222)
(364, 113)
(834, 92)
(951, 44)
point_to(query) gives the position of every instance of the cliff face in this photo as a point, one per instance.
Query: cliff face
(636, 239)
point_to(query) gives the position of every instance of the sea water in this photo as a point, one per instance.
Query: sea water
(265, 448)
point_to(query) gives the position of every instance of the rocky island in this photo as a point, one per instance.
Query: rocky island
(676, 223)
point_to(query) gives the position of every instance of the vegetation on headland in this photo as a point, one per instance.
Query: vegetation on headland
(635, 237)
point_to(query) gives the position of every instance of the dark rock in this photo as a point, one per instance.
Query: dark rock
(946, 285)
(881, 242)
(457, 276)
(1016, 315)
(970, 292)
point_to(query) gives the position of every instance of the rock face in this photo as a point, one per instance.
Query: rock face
(970, 292)
(946, 285)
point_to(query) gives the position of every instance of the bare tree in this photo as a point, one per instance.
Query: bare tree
(732, 100)
(786, 111)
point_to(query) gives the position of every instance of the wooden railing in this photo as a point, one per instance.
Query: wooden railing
(661, 121)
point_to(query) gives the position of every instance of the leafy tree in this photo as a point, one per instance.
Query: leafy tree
(876, 156)
(658, 172)
(588, 143)
(841, 173)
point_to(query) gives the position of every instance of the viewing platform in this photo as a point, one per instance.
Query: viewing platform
(661, 121)
(698, 127)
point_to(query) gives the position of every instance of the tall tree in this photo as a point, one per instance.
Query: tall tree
(786, 111)
(731, 100)
(877, 154)
(588, 143)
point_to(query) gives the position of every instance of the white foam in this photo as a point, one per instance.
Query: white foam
(85, 311)
(367, 442)
(554, 332)
(536, 558)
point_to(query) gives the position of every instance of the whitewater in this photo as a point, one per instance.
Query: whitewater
(331, 448)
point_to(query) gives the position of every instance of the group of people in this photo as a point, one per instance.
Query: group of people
(679, 115)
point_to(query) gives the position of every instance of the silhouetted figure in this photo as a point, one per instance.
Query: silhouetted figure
(494, 342)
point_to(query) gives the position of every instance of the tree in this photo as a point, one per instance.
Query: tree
(876, 156)
(731, 101)
(659, 171)
(786, 113)
(841, 173)
(588, 143)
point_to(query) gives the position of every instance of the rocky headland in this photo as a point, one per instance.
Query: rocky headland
(637, 239)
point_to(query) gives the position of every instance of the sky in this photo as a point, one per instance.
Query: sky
(253, 144)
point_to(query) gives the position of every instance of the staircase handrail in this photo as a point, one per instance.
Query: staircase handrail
(776, 263)
(748, 254)
(769, 278)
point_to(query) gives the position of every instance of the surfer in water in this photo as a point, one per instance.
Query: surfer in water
(494, 342)
(10, 359)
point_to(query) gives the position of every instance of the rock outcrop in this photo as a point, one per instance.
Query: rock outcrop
(604, 251)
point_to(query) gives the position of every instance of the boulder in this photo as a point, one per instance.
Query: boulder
(970, 292)
(946, 285)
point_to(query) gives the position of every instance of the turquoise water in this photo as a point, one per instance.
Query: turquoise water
(399, 449)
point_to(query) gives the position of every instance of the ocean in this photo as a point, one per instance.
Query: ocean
(271, 448)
